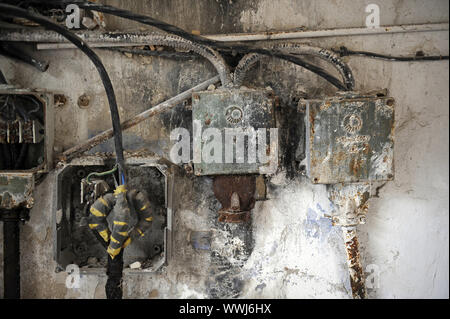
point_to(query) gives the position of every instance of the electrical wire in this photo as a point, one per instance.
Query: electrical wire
(83, 46)
(343, 51)
(14, 52)
(2, 78)
(199, 39)
(112, 171)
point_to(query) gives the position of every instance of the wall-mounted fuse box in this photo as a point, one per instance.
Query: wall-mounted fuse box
(75, 242)
(250, 111)
(349, 138)
(26, 143)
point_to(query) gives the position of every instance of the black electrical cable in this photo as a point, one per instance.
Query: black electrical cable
(13, 52)
(114, 270)
(6, 156)
(22, 156)
(11, 258)
(83, 46)
(343, 51)
(199, 39)
(2, 78)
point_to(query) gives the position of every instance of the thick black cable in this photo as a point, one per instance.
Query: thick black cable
(7, 164)
(2, 78)
(83, 46)
(22, 155)
(199, 39)
(114, 267)
(11, 257)
(343, 51)
(13, 52)
(114, 270)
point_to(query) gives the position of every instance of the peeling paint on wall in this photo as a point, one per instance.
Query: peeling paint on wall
(296, 253)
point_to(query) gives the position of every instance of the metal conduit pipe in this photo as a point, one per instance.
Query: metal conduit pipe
(244, 65)
(357, 279)
(10, 34)
(129, 39)
(339, 32)
(250, 60)
(211, 55)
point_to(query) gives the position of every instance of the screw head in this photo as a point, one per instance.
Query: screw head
(362, 219)
(84, 101)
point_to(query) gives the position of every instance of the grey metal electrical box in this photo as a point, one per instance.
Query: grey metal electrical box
(26, 143)
(241, 110)
(75, 243)
(349, 138)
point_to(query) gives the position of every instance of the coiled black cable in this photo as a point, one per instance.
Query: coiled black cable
(83, 46)
(199, 39)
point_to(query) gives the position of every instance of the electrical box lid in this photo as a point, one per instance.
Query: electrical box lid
(228, 112)
(349, 139)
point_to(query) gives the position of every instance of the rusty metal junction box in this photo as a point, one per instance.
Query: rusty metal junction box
(349, 138)
(75, 242)
(26, 143)
(234, 110)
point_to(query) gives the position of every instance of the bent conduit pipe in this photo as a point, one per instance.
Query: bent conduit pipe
(211, 55)
(199, 39)
(177, 42)
(249, 60)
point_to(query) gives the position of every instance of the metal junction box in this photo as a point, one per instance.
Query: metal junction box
(74, 241)
(26, 143)
(349, 138)
(241, 109)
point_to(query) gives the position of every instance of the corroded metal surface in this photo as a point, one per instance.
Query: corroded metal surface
(357, 279)
(121, 37)
(236, 194)
(351, 205)
(17, 181)
(21, 131)
(351, 202)
(245, 110)
(149, 174)
(233, 217)
(32, 131)
(350, 138)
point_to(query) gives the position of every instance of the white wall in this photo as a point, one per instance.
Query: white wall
(297, 253)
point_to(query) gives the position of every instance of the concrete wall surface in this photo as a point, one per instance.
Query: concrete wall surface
(297, 252)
